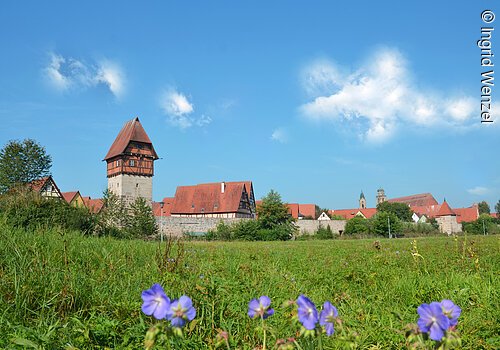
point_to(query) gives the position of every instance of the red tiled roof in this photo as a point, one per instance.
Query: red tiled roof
(293, 209)
(167, 206)
(429, 211)
(69, 196)
(307, 210)
(466, 214)
(37, 185)
(94, 205)
(350, 213)
(419, 200)
(445, 210)
(131, 131)
(208, 198)
(494, 215)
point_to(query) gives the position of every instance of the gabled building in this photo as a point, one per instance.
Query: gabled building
(130, 163)
(94, 205)
(219, 200)
(73, 198)
(163, 208)
(46, 187)
(302, 211)
(416, 200)
(347, 214)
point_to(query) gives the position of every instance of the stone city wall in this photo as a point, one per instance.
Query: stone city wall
(176, 226)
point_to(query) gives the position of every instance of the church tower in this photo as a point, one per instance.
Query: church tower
(362, 201)
(381, 196)
(130, 164)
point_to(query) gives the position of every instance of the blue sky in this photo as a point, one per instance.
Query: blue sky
(315, 99)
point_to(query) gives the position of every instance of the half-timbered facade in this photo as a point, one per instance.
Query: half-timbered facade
(46, 186)
(130, 163)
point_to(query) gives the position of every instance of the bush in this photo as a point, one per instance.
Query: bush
(23, 208)
(357, 225)
(484, 224)
(385, 221)
(419, 229)
(324, 233)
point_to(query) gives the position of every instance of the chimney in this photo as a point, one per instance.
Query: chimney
(222, 186)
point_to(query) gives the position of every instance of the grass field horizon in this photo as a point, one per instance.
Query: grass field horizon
(62, 290)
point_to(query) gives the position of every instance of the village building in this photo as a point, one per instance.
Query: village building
(214, 200)
(302, 211)
(73, 198)
(94, 205)
(447, 219)
(416, 200)
(381, 197)
(46, 187)
(348, 214)
(324, 217)
(130, 164)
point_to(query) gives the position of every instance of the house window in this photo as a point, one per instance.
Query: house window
(132, 162)
(117, 163)
(192, 206)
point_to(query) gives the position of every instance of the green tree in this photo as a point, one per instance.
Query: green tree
(485, 224)
(401, 210)
(113, 219)
(22, 162)
(273, 215)
(483, 208)
(357, 225)
(142, 222)
(383, 220)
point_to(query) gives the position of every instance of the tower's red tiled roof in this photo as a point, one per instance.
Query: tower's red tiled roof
(419, 200)
(208, 198)
(445, 210)
(131, 131)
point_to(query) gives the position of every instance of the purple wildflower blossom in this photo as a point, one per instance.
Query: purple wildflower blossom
(451, 311)
(327, 317)
(181, 311)
(260, 308)
(307, 313)
(432, 320)
(155, 302)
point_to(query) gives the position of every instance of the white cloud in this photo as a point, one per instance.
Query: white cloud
(478, 191)
(52, 72)
(176, 104)
(70, 73)
(179, 110)
(379, 98)
(110, 74)
(279, 135)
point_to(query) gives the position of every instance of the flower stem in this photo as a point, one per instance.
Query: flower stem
(264, 330)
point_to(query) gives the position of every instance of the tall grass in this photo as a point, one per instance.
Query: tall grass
(60, 289)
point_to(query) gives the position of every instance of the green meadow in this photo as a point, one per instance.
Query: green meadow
(60, 290)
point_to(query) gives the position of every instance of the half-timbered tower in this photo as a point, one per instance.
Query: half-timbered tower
(130, 163)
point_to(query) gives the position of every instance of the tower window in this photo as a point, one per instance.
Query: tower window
(117, 163)
(132, 162)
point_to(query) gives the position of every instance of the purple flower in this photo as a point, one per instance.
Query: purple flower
(327, 317)
(181, 311)
(155, 302)
(307, 313)
(432, 320)
(260, 308)
(451, 311)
